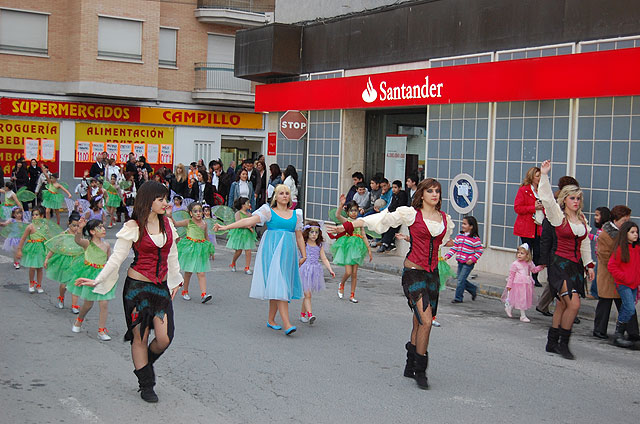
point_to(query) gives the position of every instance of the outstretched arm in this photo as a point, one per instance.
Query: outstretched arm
(243, 223)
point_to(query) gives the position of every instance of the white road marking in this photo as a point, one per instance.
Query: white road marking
(76, 408)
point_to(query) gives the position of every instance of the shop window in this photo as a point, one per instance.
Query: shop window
(119, 39)
(23, 32)
(167, 39)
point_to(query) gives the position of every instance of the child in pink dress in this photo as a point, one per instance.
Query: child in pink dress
(519, 292)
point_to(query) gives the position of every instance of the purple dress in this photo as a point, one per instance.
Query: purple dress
(311, 272)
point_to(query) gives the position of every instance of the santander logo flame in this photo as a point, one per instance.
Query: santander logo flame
(369, 95)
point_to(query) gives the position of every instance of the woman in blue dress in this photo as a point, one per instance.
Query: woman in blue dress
(276, 277)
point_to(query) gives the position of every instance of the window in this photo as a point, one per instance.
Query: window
(23, 32)
(221, 48)
(167, 47)
(119, 38)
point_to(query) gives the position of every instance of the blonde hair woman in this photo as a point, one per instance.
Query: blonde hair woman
(276, 277)
(567, 263)
(180, 184)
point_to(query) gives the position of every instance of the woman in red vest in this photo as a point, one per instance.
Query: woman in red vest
(528, 225)
(567, 250)
(429, 228)
(152, 280)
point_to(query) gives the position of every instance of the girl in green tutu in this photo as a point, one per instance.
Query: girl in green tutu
(241, 239)
(194, 251)
(350, 249)
(114, 198)
(89, 265)
(62, 251)
(31, 251)
(52, 198)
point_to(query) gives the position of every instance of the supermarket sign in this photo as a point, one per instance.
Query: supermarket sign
(130, 114)
(597, 74)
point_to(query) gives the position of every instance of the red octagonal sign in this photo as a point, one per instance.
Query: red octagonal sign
(293, 125)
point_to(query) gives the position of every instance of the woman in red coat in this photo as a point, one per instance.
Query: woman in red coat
(528, 225)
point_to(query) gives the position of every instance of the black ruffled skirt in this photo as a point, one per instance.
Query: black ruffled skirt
(420, 284)
(142, 302)
(562, 270)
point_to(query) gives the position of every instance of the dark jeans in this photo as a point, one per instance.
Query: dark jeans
(594, 283)
(463, 284)
(389, 237)
(534, 245)
(603, 310)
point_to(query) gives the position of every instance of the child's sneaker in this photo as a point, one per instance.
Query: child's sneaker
(312, 318)
(60, 302)
(353, 299)
(102, 334)
(233, 267)
(303, 317)
(32, 286)
(247, 271)
(340, 291)
(76, 328)
(39, 288)
(185, 295)
(204, 298)
(434, 322)
(75, 309)
(508, 308)
(16, 265)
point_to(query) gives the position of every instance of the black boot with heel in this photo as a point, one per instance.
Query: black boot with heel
(421, 364)
(409, 367)
(146, 381)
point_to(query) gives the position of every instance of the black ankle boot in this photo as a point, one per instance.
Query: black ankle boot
(619, 339)
(552, 339)
(563, 344)
(420, 369)
(408, 368)
(146, 381)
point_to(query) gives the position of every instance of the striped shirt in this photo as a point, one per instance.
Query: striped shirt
(465, 248)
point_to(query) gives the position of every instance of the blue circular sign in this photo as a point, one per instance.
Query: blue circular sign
(463, 192)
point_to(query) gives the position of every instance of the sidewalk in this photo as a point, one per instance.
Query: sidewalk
(488, 284)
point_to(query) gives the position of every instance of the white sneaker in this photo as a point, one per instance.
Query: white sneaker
(75, 310)
(39, 289)
(186, 296)
(312, 319)
(204, 298)
(435, 323)
(76, 328)
(16, 265)
(32, 289)
(248, 271)
(340, 293)
(508, 308)
(304, 319)
(60, 302)
(353, 300)
(233, 268)
(102, 335)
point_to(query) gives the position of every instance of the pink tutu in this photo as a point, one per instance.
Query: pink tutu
(522, 294)
(311, 273)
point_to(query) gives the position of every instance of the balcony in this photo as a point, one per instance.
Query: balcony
(239, 13)
(215, 84)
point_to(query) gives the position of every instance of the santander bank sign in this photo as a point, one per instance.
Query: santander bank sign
(401, 92)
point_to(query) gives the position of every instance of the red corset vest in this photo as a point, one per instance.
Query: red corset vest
(151, 260)
(424, 247)
(567, 243)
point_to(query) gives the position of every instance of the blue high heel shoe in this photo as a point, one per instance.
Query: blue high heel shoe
(290, 331)
(274, 327)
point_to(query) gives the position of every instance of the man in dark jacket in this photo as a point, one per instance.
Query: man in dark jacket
(224, 180)
(97, 169)
(398, 198)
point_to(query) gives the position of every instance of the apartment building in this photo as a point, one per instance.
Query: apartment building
(78, 77)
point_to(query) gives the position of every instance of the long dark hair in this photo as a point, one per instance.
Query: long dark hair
(305, 233)
(291, 171)
(422, 186)
(275, 170)
(146, 195)
(90, 226)
(622, 242)
(239, 173)
(474, 223)
(605, 216)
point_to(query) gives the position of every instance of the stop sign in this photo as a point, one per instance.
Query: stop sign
(293, 125)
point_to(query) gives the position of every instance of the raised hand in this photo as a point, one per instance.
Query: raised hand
(545, 167)
(343, 199)
(333, 229)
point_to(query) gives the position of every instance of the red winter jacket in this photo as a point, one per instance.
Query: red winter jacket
(525, 207)
(626, 273)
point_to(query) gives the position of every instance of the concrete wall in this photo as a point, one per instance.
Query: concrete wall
(290, 11)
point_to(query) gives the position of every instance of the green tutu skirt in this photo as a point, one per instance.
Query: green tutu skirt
(349, 250)
(193, 256)
(80, 270)
(113, 201)
(51, 200)
(241, 239)
(33, 254)
(445, 272)
(58, 267)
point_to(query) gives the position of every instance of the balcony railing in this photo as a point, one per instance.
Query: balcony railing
(219, 77)
(243, 5)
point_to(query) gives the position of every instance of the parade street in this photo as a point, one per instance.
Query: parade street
(225, 365)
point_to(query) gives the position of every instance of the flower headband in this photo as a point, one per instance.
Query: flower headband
(306, 227)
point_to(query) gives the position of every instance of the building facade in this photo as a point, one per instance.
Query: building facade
(156, 78)
(494, 134)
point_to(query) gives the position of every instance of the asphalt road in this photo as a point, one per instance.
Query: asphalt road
(225, 365)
